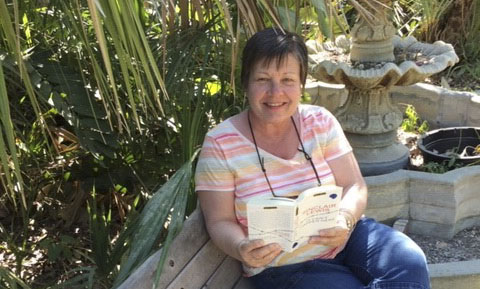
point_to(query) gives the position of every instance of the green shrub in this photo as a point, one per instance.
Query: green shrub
(412, 122)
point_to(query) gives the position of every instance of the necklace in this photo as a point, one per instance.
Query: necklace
(261, 160)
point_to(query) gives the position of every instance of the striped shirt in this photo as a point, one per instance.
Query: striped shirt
(228, 162)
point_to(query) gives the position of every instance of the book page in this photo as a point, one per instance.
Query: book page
(272, 220)
(318, 209)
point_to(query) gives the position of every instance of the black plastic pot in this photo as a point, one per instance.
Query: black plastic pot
(436, 144)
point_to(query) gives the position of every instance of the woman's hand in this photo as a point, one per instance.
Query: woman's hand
(333, 237)
(255, 253)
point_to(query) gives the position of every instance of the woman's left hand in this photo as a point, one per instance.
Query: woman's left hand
(332, 237)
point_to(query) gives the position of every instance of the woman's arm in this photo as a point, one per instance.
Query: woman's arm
(219, 212)
(347, 175)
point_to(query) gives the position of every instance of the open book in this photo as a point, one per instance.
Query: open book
(290, 222)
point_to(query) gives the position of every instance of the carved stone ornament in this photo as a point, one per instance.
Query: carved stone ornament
(378, 60)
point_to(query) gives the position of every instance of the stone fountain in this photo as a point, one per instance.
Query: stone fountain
(378, 60)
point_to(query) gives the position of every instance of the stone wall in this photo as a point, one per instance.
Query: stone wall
(435, 204)
(439, 106)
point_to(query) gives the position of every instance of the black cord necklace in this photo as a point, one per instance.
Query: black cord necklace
(261, 160)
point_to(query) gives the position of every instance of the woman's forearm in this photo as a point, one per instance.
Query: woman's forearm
(227, 235)
(355, 200)
(347, 175)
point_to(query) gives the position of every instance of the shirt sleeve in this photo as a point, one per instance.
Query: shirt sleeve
(213, 172)
(336, 144)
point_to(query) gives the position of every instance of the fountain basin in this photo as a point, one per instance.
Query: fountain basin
(407, 71)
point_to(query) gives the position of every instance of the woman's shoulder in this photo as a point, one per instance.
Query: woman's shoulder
(224, 129)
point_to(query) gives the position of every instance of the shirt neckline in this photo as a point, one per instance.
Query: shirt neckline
(251, 144)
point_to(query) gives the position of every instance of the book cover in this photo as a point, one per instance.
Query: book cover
(290, 222)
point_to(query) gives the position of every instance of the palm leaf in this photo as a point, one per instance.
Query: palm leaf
(169, 200)
(84, 279)
(10, 280)
(8, 150)
(108, 65)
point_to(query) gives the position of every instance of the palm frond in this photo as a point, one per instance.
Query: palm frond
(8, 150)
(10, 280)
(167, 206)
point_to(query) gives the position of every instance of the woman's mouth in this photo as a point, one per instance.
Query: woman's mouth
(274, 104)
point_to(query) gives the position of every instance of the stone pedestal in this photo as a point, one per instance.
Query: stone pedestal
(381, 160)
(370, 122)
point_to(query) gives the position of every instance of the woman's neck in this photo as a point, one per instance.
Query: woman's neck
(276, 130)
(279, 139)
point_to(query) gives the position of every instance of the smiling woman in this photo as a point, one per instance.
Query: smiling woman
(278, 147)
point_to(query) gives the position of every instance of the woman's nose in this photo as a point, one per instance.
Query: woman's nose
(275, 88)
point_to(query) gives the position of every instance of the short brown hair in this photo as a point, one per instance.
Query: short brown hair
(273, 44)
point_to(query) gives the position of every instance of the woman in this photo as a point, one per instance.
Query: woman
(280, 147)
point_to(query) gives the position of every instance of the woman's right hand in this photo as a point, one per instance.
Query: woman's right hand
(255, 253)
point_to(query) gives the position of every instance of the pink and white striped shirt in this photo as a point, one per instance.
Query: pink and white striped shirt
(228, 162)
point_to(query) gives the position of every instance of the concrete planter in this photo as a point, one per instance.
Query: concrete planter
(435, 204)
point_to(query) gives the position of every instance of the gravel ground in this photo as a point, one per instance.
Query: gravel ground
(464, 246)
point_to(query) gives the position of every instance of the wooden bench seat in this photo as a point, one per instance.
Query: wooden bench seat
(193, 262)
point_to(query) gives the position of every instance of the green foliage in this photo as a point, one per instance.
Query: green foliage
(83, 278)
(454, 22)
(412, 122)
(61, 249)
(122, 102)
(10, 280)
(443, 167)
(103, 106)
(7, 144)
(470, 39)
(167, 206)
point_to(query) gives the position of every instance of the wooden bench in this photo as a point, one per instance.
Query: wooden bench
(193, 262)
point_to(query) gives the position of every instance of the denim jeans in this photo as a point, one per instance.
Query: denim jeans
(376, 256)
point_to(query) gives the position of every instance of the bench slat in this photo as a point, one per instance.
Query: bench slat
(193, 262)
(186, 245)
(193, 233)
(226, 275)
(199, 269)
(142, 277)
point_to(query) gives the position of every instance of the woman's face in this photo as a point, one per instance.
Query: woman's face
(274, 91)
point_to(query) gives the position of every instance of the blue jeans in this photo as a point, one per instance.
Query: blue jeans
(376, 256)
